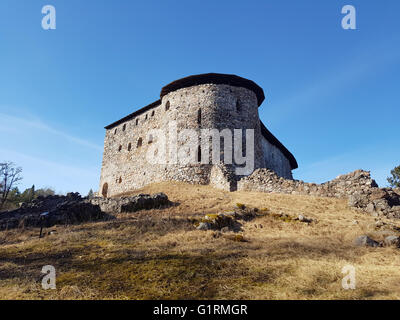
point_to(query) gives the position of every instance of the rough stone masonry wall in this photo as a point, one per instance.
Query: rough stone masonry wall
(275, 160)
(220, 106)
(358, 187)
(265, 180)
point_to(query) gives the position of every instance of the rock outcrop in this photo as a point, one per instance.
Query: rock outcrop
(132, 204)
(72, 209)
(52, 210)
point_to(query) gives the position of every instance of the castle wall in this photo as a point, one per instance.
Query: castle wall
(275, 160)
(206, 106)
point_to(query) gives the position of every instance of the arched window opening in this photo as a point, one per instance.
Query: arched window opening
(119, 148)
(124, 127)
(139, 143)
(137, 121)
(129, 146)
(104, 190)
(152, 113)
(167, 106)
(145, 118)
(115, 131)
(119, 180)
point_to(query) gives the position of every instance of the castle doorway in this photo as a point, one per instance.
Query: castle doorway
(104, 191)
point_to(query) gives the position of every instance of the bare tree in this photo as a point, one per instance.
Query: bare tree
(9, 177)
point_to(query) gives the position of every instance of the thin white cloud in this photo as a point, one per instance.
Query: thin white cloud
(43, 172)
(54, 165)
(10, 123)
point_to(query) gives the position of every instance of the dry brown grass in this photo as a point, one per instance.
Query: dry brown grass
(158, 254)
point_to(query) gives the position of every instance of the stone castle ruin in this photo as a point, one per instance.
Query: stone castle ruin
(220, 101)
(205, 101)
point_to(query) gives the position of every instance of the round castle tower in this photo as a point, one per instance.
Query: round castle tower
(133, 145)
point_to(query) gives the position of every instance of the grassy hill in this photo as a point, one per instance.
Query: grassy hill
(158, 254)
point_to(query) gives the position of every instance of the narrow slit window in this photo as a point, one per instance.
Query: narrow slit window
(167, 106)
(238, 106)
(199, 153)
(199, 116)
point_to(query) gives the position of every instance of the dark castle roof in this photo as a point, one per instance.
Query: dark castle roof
(134, 114)
(205, 78)
(215, 78)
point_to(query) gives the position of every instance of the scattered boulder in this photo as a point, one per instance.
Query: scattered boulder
(392, 241)
(204, 226)
(302, 218)
(225, 229)
(227, 221)
(365, 241)
(235, 237)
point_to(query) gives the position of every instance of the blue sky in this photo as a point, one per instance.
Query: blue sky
(332, 95)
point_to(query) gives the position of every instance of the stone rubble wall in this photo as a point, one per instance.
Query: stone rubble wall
(358, 187)
(266, 180)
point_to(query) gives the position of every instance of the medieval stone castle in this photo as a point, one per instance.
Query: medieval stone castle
(213, 101)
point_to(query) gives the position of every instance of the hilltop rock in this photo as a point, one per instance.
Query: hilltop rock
(52, 210)
(72, 208)
(132, 204)
(392, 241)
(365, 241)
